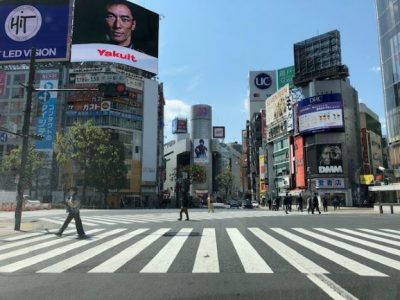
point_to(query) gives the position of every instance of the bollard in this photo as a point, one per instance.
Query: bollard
(391, 209)
(381, 209)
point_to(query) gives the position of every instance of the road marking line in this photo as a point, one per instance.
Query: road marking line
(164, 259)
(371, 237)
(51, 221)
(330, 287)
(120, 259)
(252, 262)
(392, 230)
(92, 252)
(23, 236)
(207, 254)
(360, 241)
(118, 221)
(95, 220)
(30, 241)
(60, 221)
(337, 258)
(55, 252)
(392, 263)
(393, 236)
(301, 263)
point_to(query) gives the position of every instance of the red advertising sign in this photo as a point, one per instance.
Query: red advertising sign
(299, 158)
(2, 82)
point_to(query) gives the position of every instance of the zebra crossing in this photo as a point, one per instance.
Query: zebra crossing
(124, 219)
(146, 250)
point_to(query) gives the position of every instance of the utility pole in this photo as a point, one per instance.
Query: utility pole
(25, 142)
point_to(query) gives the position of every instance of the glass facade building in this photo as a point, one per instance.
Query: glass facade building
(388, 13)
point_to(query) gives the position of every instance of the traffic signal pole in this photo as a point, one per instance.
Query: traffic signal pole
(25, 142)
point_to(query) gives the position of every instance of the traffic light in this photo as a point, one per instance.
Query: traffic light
(112, 89)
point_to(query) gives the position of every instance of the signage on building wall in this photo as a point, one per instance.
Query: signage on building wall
(299, 161)
(31, 24)
(46, 123)
(218, 132)
(321, 113)
(201, 111)
(179, 125)
(276, 106)
(329, 159)
(200, 150)
(329, 183)
(95, 37)
(2, 82)
(262, 84)
(285, 76)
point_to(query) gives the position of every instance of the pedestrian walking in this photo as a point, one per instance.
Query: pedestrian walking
(274, 205)
(184, 208)
(286, 203)
(269, 203)
(278, 202)
(300, 203)
(310, 205)
(325, 203)
(315, 204)
(210, 203)
(290, 202)
(73, 205)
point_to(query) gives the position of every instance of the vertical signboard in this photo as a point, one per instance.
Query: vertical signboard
(2, 82)
(285, 76)
(299, 161)
(200, 150)
(41, 24)
(46, 122)
(263, 182)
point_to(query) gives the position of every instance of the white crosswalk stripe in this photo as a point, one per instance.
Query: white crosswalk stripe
(207, 254)
(112, 219)
(164, 259)
(341, 260)
(121, 250)
(392, 263)
(371, 237)
(393, 236)
(252, 261)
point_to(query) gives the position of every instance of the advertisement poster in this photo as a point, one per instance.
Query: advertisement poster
(46, 123)
(201, 148)
(2, 82)
(299, 161)
(321, 113)
(329, 159)
(40, 24)
(123, 33)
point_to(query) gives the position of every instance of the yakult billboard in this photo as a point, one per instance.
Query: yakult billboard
(39, 24)
(117, 32)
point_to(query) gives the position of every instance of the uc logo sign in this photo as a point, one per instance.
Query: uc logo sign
(263, 81)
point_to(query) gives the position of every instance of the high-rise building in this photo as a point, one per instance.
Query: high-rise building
(388, 13)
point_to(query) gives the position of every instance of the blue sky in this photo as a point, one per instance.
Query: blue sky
(207, 48)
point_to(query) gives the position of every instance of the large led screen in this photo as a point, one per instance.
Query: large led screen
(329, 159)
(321, 113)
(27, 24)
(116, 32)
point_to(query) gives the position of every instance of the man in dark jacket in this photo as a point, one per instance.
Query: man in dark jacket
(73, 205)
(300, 203)
(315, 204)
(184, 208)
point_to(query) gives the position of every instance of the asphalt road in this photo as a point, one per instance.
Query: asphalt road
(232, 254)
